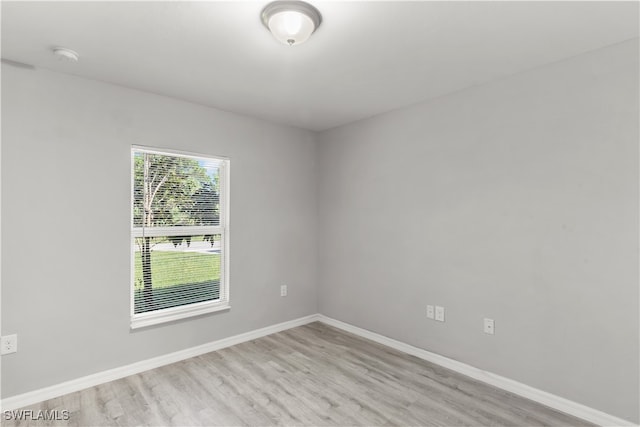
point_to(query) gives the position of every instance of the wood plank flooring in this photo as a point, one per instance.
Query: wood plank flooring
(313, 375)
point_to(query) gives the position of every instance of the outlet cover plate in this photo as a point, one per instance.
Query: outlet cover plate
(489, 326)
(430, 312)
(439, 313)
(9, 344)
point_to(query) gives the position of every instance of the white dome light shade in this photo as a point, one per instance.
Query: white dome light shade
(291, 22)
(291, 27)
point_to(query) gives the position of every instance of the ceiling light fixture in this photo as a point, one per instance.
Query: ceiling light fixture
(64, 54)
(291, 22)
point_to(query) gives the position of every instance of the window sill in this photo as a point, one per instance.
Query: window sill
(169, 315)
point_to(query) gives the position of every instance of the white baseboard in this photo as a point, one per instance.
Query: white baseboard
(29, 398)
(556, 402)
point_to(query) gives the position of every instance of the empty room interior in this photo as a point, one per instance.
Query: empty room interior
(321, 213)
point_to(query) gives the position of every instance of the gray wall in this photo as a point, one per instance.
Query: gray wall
(65, 223)
(516, 200)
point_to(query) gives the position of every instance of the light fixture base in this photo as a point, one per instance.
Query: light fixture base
(282, 7)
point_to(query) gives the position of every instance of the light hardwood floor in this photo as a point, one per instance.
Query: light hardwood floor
(313, 375)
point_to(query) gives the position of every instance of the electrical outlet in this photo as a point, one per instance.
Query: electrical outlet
(283, 290)
(489, 326)
(430, 312)
(9, 344)
(439, 313)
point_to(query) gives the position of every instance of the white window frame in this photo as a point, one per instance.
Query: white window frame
(155, 317)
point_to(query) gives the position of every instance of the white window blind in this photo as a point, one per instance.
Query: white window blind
(178, 235)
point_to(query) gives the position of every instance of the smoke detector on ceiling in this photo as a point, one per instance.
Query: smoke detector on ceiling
(64, 54)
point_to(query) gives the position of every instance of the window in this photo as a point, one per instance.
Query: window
(179, 236)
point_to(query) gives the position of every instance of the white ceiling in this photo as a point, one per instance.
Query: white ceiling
(366, 58)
